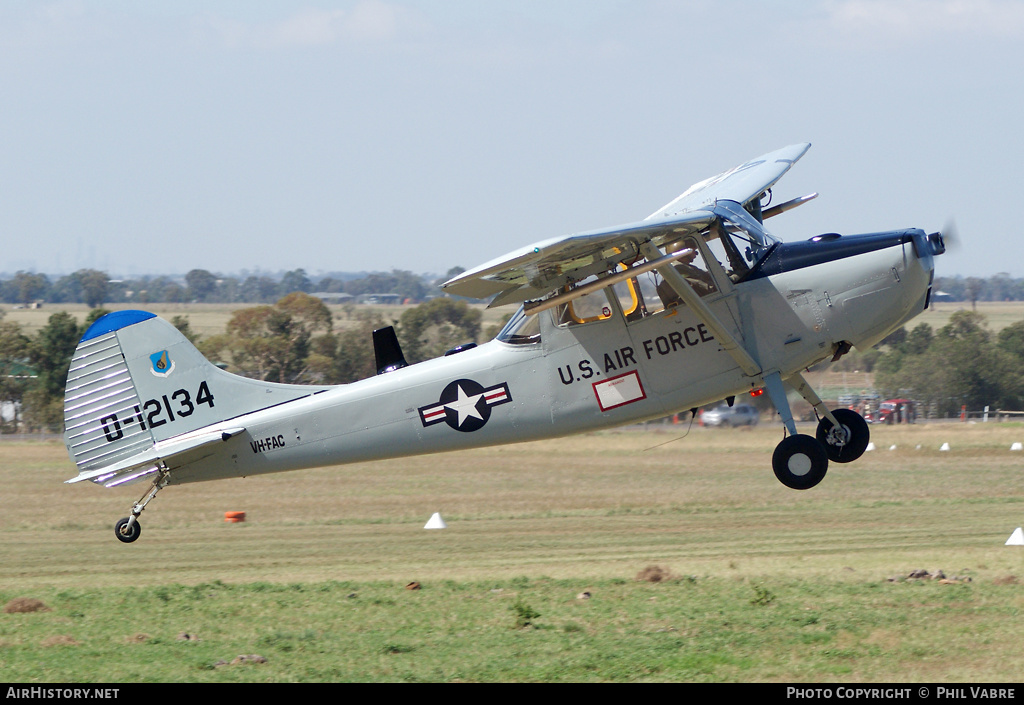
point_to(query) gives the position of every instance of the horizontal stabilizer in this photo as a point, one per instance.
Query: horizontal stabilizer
(167, 452)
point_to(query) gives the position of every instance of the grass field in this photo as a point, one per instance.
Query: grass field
(761, 583)
(209, 319)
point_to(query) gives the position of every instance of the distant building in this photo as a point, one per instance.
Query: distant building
(333, 297)
(392, 299)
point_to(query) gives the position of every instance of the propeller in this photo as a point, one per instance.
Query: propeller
(950, 236)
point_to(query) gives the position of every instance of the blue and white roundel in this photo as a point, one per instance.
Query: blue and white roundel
(465, 405)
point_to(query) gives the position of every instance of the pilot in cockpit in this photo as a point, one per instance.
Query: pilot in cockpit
(698, 278)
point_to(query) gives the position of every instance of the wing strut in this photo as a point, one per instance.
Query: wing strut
(532, 307)
(690, 297)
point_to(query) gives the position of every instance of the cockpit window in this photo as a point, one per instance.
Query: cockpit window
(598, 305)
(521, 329)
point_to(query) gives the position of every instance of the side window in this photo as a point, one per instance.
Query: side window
(597, 306)
(693, 268)
(586, 309)
(723, 247)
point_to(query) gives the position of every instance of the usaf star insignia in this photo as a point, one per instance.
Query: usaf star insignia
(465, 405)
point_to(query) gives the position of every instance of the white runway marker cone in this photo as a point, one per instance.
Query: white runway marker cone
(1016, 538)
(871, 446)
(1017, 446)
(436, 522)
(945, 446)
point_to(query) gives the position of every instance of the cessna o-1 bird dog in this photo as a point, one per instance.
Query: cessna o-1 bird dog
(696, 303)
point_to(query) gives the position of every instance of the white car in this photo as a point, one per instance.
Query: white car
(738, 415)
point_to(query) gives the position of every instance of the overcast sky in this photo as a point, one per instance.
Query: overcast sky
(144, 137)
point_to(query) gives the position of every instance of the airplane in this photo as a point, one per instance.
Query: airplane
(696, 303)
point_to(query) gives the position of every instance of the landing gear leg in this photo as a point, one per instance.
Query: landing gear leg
(800, 461)
(128, 529)
(843, 432)
(846, 442)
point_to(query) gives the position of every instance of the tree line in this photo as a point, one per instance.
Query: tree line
(294, 340)
(961, 364)
(96, 288)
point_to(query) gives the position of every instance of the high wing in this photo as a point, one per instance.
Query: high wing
(539, 269)
(741, 184)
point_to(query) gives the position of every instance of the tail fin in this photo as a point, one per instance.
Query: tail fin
(135, 381)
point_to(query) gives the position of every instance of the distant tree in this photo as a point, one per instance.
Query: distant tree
(260, 289)
(295, 280)
(94, 286)
(15, 374)
(30, 286)
(430, 329)
(354, 357)
(919, 339)
(201, 284)
(50, 353)
(959, 365)
(274, 342)
(1011, 339)
(173, 293)
(405, 284)
(973, 291)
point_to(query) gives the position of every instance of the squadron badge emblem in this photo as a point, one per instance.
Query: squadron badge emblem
(162, 363)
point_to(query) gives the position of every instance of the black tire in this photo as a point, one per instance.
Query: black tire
(858, 438)
(132, 533)
(800, 462)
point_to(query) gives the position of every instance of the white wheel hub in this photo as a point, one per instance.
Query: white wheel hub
(799, 464)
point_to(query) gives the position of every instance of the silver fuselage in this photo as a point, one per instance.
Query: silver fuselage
(794, 311)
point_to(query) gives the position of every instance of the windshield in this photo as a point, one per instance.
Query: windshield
(738, 242)
(521, 329)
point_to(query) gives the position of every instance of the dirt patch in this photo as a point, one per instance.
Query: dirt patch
(60, 640)
(654, 574)
(25, 604)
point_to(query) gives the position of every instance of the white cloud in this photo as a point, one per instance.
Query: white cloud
(915, 19)
(367, 21)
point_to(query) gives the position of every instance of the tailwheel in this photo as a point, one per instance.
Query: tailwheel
(127, 529)
(847, 442)
(800, 462)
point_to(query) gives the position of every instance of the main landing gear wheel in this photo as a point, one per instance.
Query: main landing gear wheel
(126, 533)
(848, 442)
(800, 462)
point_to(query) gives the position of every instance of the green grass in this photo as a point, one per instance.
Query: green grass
(766, 584)
(692, 629)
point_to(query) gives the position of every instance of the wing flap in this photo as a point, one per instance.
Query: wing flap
(545, 266)
(176, 450)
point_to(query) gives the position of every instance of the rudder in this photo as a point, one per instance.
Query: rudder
(136, 380)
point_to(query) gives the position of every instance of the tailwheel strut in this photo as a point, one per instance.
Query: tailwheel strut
(128, 529)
